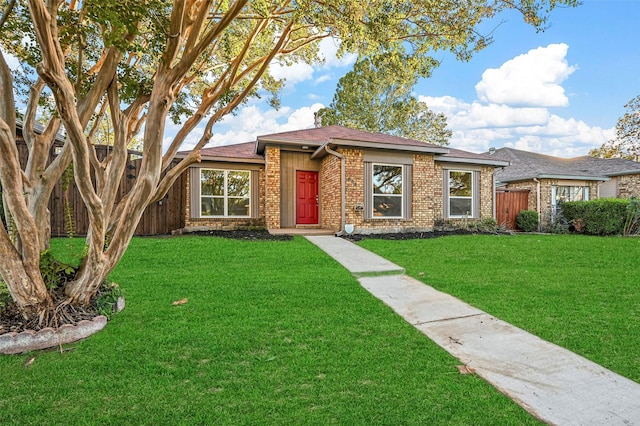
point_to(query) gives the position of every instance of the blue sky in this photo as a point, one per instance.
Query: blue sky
(559, 92)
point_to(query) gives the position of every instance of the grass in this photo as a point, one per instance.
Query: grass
(579, 292)
(273, 333)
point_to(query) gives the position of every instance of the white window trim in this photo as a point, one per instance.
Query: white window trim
(401, 196)
(458, 197)
(225, 197)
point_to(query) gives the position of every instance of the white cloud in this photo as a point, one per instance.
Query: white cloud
(299, 72)
(249, 123)
(531, 79)
(329, 51)
(512, 109)
(12, 62)
(294, 73)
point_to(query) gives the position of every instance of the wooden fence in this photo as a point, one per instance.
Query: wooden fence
(158, 218)
(509, 202)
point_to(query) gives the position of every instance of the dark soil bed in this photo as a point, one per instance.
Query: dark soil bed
(253, 234)
(261, 234)
(413, 235)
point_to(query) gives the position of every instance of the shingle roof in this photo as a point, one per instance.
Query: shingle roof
(240, 152)
(461, 156)
(526, 165)
(339, 135)
(315, 138)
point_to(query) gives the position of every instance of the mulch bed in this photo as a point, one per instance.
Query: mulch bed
(262, 234)
(253, 234)
(413, 235)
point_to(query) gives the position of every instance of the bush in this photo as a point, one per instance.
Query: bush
(527, 220)
(488, 224)
(604, 216)
(632, 219)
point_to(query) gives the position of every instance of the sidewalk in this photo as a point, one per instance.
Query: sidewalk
(552, 383)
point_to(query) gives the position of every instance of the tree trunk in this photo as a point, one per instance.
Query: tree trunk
(25, 285)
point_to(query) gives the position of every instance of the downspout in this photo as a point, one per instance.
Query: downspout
(343, 188)
(538, 203)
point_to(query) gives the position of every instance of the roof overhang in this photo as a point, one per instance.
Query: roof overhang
(624, 172)
(572, 177)
(557, 177)
(428, 149)
(261, 143)
(482, 161)
(232, 160)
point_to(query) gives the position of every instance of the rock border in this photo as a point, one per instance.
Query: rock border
(30, 340)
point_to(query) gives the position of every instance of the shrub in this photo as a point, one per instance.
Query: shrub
(604, 216)
(488, 224)
(527, 220)
(632, 219)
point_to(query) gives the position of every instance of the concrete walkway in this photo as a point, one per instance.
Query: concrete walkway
(552, 383)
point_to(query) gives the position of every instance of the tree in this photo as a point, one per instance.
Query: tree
(627, 142)
(376, 97)
(150, 60)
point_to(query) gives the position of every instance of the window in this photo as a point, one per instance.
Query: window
(387, 191)
(560, 194)
(225, 193)
(461, 193)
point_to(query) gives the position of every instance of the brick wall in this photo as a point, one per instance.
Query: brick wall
(424, 196)
(533, 192)
(330, 193)
(486, 192)
(628, 186)
(272, 187)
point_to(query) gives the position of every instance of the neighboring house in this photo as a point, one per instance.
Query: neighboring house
(334, 177)
(550, 180)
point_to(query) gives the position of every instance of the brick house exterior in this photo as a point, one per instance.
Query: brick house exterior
(551, 180)
(334, 177)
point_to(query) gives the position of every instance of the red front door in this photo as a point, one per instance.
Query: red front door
(306, 198)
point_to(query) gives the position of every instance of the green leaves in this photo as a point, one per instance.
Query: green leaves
(376, 97)
(627, 142)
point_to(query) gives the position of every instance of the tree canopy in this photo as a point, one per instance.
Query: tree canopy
(627, 141)
(376, 96)
(144, 61)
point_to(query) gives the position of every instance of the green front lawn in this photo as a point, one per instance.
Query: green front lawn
(580, 292)
(272, 333)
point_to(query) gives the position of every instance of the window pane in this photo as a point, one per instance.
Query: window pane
(212, 182)
(459, 206)
(212, 206)
(460, 184)
(387, 206)
(387, 179)
(571, 193)
(238, 184)
(238, 207)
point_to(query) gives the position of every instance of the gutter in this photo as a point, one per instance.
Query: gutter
(343, 185)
